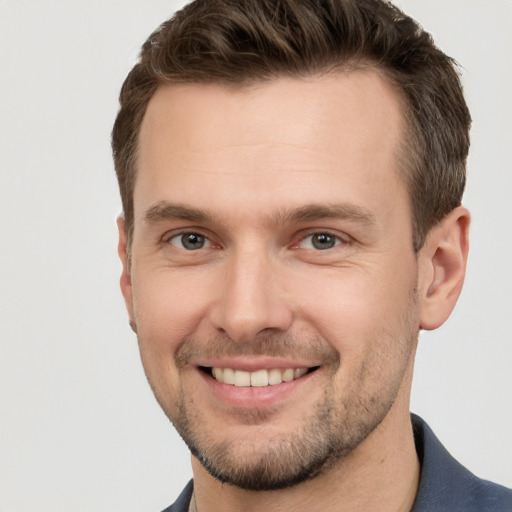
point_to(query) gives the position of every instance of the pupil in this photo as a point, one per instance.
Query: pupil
(323, 241)
(192, 241)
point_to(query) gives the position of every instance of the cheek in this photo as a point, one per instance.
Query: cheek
(351, 296)
(349, 307)
(167, 307)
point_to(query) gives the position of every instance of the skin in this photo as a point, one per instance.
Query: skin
(252, 170)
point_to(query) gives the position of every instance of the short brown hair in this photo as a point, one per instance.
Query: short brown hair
(244, 41)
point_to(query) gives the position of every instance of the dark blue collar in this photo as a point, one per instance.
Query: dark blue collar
(445, 485)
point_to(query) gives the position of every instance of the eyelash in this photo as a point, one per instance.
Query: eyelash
(337, 240)
(183, 234)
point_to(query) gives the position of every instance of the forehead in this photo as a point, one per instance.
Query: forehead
(274, 141)
(339, 100)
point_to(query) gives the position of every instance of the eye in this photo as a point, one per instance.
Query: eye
(189, 241)
(319, 241)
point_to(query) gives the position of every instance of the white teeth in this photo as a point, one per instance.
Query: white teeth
(259, 378)
(228, 376)
(242, 378)
(299, 372)
(288, 375)
(274, 376)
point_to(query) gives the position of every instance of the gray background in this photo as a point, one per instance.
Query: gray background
(79, 428)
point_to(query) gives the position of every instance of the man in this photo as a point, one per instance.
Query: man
(291, 175)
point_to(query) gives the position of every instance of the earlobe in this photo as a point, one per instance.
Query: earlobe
(125, 280)
(443, 264)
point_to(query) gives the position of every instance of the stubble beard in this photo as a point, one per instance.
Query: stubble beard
(327, 435)
(276, 462)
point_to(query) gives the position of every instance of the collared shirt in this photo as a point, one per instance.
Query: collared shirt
(445, 485)
(192, 507)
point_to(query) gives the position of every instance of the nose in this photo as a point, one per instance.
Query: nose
(251, 299)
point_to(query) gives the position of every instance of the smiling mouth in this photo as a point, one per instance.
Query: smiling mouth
(258, 378)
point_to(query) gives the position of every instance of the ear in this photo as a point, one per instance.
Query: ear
(126, 279)
(443, 261)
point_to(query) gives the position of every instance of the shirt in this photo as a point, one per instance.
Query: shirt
(445, 485)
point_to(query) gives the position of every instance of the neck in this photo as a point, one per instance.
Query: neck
(382, 473)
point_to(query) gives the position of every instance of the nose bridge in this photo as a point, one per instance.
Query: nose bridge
(251, 298)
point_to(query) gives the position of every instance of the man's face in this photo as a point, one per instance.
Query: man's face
(272, 244)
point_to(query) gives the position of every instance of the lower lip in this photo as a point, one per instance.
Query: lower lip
(254, 397)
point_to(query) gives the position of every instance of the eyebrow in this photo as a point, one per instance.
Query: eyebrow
(169, 211)
(345, 211)
(164, 211)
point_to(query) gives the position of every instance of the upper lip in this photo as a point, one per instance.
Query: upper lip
(253, 364)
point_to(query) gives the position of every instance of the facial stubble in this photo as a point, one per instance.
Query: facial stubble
(258, 460)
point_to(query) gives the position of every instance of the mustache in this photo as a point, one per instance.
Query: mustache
(308, 348)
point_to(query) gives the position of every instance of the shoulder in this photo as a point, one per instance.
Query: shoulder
(183, 501)
(447, 485)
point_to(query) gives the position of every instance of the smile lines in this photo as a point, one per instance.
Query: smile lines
(258, 378)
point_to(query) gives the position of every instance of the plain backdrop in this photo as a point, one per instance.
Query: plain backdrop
(79, 427)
